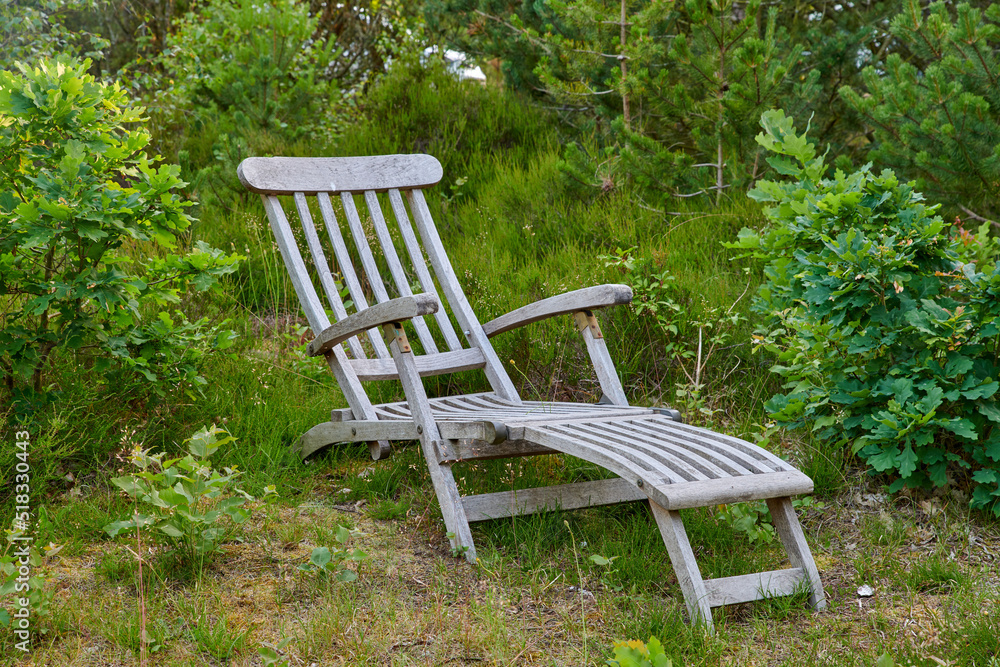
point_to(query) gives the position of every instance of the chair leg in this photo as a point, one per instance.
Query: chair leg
(450, 501)
(685, 566)
(786, 524)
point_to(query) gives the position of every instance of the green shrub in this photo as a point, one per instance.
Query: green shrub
(241, 78)
(637, 653)
(333, 561)
(424, 108)
(885, 337)
(90, 223)
(186, 501)
(33, 29)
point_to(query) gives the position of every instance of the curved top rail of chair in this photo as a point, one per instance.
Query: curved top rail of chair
(288, 175)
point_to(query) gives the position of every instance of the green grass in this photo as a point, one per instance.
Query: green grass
(415, 604)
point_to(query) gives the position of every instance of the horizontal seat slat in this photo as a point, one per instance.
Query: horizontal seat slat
(727, 490)
(683, 445)
(650, 463)
(730, 443)
(632, 467)
(738, 456)
(695, 465)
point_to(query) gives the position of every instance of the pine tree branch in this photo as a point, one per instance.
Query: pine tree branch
(615, 56)
(521, 31)
(979, 218)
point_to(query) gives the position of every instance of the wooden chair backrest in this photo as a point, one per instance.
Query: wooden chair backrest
(402, 178)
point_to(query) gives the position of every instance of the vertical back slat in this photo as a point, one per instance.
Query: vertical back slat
(311, 304)
(423, 275)
(347, 269)
(499, 380)
(364, 250)
(318, 321)
(396, 268)
(323, 269)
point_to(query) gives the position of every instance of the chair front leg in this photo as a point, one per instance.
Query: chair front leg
(452, 509)
(685, 565)
(786, 524)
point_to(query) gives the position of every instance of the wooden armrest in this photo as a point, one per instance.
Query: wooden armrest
(587, 298)
(397, 310)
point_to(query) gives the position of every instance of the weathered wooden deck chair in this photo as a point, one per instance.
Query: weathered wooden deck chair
(655, 457)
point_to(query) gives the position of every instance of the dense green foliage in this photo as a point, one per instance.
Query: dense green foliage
(232, 89)
(30, 30)
(423, 108)
(672, 90)
(89, 225)
(936, 116)
(880, 316)
(887, 340)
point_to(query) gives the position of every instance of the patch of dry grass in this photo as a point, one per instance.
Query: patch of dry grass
(932, 566)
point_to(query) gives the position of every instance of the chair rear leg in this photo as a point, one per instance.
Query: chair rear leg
(786, 524)
(685, 566)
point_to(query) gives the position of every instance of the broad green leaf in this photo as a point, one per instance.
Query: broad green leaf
(321, 556)
(907, 462)
(961, 427)
(115, 527)
(170, 530)
(989, 409)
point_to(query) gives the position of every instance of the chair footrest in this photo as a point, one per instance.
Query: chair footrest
(726, 490)
(756, 586)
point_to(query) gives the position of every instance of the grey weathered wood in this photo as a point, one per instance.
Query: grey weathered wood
(487, 433)
(587, 298)
(467, 319)
(368, 264)
(396, 270)
(565, 496)
(756, 586)
(427, 365)
(397, 310)
(341, 415)
(685, 445)
(294, 265)
(420, 267)
(735, 489)
(685, 566)
(730, 446)
(786, 524)
(288, 175)
(336, 358)
(607, 376)
(323, 267)
(478, 450)
(442, 478)
(347, 269)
